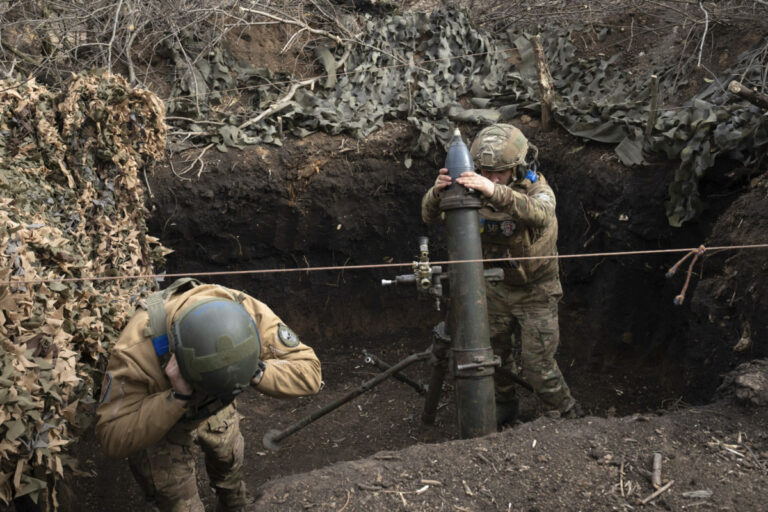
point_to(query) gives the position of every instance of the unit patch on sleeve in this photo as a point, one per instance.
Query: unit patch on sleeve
(106, 386)
(287, 336)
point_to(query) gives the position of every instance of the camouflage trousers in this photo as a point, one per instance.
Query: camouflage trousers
(525, 334)
(166, 471)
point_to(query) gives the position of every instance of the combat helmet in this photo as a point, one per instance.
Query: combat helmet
(499, 147)
(217, 347)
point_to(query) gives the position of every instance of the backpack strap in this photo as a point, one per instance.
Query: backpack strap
(155, 306)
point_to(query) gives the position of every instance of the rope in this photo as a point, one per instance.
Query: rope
(696, 252)
(678, 301)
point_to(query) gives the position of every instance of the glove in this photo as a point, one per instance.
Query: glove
(259, 374)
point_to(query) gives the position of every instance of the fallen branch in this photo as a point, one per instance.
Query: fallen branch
(653, 109)
(301, 24)
(346, 502)
(279, 104)
(656, 475)
(197, 160)
(621, 478)
(761, 100)
(656, 493)
(704, 36)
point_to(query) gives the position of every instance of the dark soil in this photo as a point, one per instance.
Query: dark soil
(644, 369)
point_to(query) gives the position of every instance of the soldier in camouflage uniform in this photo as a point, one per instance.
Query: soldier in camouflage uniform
(171, 381)
(517, 220)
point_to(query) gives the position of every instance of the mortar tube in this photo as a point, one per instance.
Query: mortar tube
(469, 332)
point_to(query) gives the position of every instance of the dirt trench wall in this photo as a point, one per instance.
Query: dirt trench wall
(328, 201)
(308, 204)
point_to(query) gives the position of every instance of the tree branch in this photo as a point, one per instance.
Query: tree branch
(301, 24)
(279, 104)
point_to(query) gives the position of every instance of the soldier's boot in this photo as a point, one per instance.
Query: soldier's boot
(575, 411)
(506, 412)
(233, 500)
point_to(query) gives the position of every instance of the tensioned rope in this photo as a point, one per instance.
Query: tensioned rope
(697, 251)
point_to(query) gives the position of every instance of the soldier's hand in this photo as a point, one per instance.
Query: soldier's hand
(178, 383)
(443, 180)
(476, 182)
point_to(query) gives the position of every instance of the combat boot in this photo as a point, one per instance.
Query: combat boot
(574, 412)
(233, 500)
(506, 412)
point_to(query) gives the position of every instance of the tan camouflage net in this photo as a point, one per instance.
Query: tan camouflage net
(71, 205)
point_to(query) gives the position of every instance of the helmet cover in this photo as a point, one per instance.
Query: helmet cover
(217, 347)
(499, 147)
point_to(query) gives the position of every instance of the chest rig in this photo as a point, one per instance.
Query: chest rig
(505, 236)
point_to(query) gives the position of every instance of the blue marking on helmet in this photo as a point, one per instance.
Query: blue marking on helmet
(161, 344)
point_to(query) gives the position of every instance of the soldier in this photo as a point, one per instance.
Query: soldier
(517, 219)
(171, 381)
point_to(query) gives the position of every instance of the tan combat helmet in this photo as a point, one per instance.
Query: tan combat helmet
(499, 147)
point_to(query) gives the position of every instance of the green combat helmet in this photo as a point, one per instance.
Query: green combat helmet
(217, 347)
(499, 147)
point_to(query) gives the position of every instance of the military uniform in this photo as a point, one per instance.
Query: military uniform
(139, 418)
(518, 220)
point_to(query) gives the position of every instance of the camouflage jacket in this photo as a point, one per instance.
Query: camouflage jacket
(518, 220)
(136, 408)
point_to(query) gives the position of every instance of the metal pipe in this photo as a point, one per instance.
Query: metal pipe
(469, 330)
(273, 437)
(383, 365)
(441, 343)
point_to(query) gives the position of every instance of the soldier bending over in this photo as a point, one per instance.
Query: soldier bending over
(171, 382)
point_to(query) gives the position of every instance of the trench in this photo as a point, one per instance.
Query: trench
(262, 219)
(623, 346)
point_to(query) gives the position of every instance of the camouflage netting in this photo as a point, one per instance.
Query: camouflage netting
(383, 80)
(72, 207)
(600, 103)
(417, 67)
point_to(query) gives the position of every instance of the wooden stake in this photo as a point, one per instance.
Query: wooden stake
(652, 112)
(545, 84)
(761, 100)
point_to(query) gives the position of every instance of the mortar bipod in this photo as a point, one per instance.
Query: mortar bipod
(273, 437)
(440, 357)
(383, 365)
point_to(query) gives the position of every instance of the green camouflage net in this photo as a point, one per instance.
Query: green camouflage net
(383, 80)
(71, 206)
(418, 66)
(597, 102)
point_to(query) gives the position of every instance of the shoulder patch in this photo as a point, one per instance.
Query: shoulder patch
(287, 336)
(106, 386)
